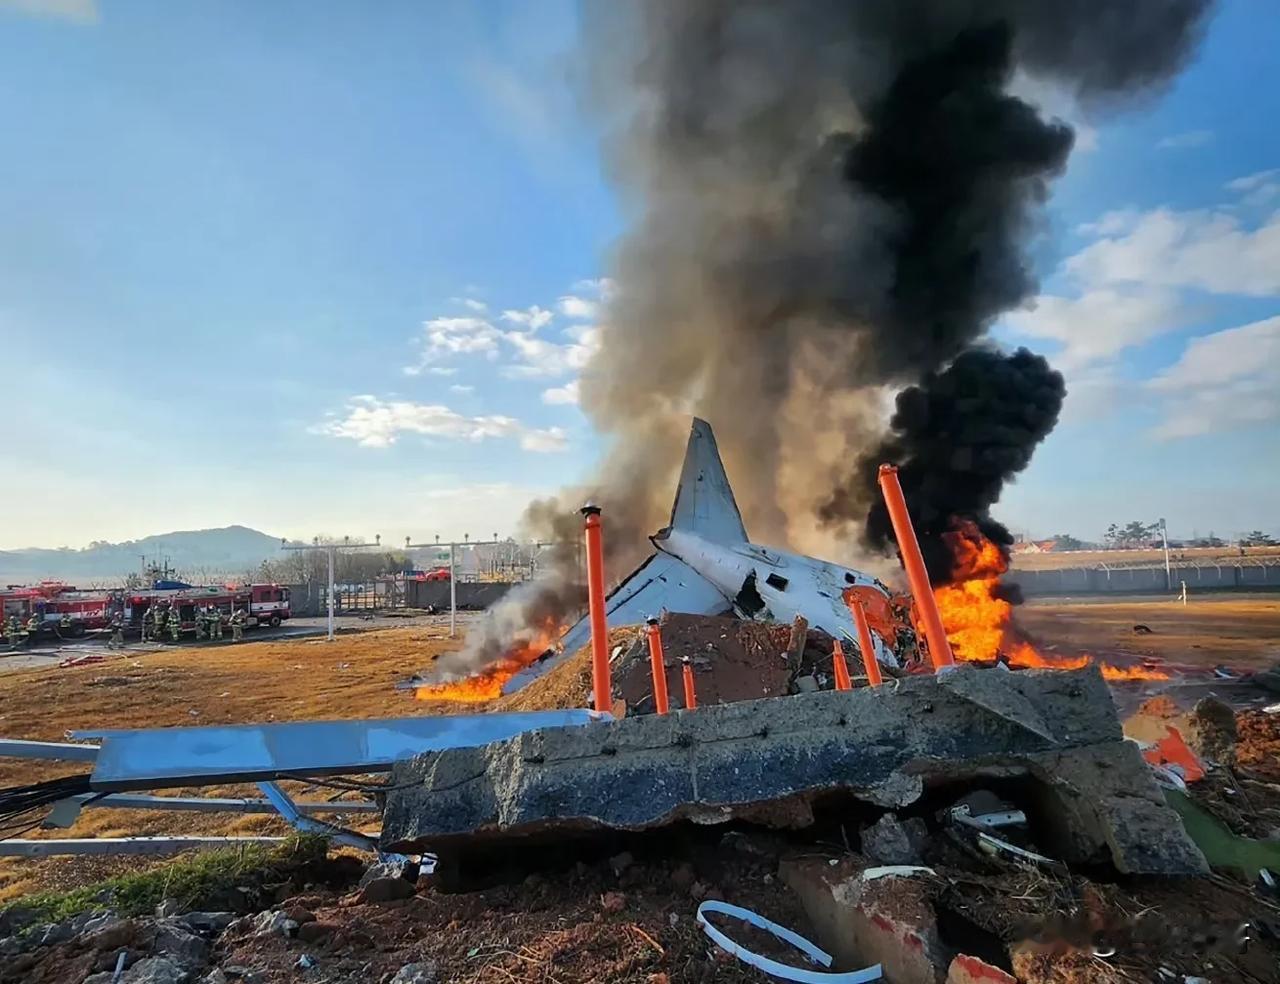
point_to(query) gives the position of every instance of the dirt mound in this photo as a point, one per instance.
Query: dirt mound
(731, 659)
(1258, 742)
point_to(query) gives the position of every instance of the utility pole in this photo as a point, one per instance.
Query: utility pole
(453, 574)
(1164, 537)
(331, 549)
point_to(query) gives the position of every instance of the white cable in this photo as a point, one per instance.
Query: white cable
(772, 967)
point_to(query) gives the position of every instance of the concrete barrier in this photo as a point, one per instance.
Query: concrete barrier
(472, 595)
(1146, 580)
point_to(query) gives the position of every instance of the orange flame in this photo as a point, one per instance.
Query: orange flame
(979, 622)
(487, 684)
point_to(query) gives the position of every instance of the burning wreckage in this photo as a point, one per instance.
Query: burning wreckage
(1028, 770)
(918, 721)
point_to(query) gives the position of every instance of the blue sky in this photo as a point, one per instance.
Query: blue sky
(336, 274)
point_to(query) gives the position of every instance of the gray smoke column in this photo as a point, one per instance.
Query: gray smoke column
(829, 201)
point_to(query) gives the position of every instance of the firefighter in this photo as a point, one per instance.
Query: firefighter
(175, 624)
(33, 627)
(202, 622)
(64, 625)
(159, 626)
(117, 632)
(237, 625)
(148, 624)
(14, 631)
(215, 623)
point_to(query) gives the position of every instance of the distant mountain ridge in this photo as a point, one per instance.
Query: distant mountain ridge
(228, 549)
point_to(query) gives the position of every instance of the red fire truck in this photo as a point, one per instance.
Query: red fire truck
(264, 604)
(51, 600)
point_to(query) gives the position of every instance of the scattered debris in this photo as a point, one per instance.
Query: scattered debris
(891, 841)
(816, 955)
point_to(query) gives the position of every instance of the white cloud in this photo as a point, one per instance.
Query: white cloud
(547, 441)
(602, 287)
(76, 11)
(1100, 323)
(1111, 223)
(445, 337)
(540, 357)
(375, 423)
(459, 388)
(1258, 189)
(1224, 380)
(472, 303)
(1209, 250)
(566, 394)
(1094, 393)
(581, 308)
(440, 371)
(532, 317)
(1186, 140)
(1251, 181)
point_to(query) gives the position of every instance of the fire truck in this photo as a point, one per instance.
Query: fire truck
(265, 604)
(50, 601)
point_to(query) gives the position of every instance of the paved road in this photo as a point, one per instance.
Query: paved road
(50, 652)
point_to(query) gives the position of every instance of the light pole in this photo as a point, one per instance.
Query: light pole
(1164, 538)
(453, 575)
(330, 550)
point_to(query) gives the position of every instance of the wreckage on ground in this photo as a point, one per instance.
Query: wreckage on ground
(705, 564)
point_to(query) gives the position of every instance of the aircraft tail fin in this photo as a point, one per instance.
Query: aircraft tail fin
(704, 499)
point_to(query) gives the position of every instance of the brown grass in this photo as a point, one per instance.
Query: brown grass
(285, 680)
(1242, 633)
(354, 677)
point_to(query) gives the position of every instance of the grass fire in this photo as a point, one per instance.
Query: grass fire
(977, 612)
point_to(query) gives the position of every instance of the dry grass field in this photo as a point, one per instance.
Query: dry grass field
(354, 677)
(1243, 633)
(285, 680)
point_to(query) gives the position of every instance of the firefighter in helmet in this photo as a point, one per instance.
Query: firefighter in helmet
(175, 623)
(237, 625)
(215, 622)
(148, 623)
(158, 628)
(64, 625)
(13, 629)
(202, 622)
(33, 626)
(117, 632)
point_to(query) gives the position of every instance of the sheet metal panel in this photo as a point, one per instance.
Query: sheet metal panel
(156, 758)
(50, 751)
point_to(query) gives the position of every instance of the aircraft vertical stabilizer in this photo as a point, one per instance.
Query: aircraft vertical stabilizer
(704, 500)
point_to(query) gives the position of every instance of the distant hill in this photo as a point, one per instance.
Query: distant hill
(229, 549)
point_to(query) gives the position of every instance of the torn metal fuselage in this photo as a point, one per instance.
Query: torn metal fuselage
(705, 564)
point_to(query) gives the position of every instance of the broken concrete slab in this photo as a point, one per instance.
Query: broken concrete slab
(966, 969)
(746, 760)
(865, 920)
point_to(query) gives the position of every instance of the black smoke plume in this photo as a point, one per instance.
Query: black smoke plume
(828, 201)
(957, 438)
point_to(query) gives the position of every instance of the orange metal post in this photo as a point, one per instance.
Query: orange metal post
(840, 667)
(869, 664)
(913, 561)
(601, 687)
(656, 664)
(690, 696)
